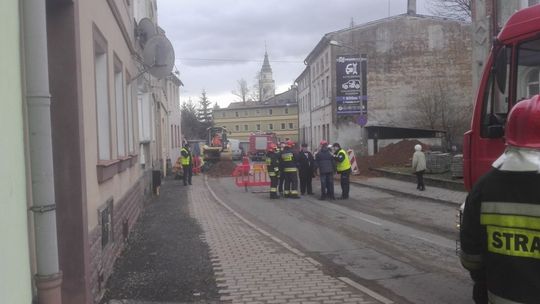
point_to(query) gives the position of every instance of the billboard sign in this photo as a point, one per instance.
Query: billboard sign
(351, 86)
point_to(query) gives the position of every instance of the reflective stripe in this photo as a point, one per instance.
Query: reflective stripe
(291, 169)
(495, 299)
(515, 221)
(273, 189)
(471, 261)
(287, 156)
(514, 242)
(294, 192)
(272, 174)
(511, 208)
(287, 192)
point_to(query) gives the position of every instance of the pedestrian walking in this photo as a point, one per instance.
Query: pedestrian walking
(500, 229)
(325, 164)
(187, 164)
(272, 166)
(306, 165)
(343, 166)
(419, 167)
(289, 168)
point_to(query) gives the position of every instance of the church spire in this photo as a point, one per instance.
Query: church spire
(267, 86)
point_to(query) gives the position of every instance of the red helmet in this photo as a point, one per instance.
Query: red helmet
(290, 143)
(272, 147)
(523, 124)
(324, 143)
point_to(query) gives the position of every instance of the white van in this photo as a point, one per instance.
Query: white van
(235, 149)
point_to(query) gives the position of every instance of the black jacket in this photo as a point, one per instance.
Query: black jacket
(306, 162)
(500, 236)
(324, 161)
(272, 163)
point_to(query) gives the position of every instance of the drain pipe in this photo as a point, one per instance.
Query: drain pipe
(48, 278)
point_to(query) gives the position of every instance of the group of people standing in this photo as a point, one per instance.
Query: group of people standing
(285, 166)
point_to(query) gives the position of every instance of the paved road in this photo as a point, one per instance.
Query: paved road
(402, 248)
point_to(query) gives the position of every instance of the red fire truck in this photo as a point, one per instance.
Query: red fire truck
(259, 143)
(511, 73)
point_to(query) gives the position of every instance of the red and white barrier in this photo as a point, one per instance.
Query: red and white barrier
(354, 165)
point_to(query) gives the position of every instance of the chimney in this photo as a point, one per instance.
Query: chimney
(411, 7)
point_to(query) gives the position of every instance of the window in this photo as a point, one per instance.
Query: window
(105, 217)
(286, 110)
(102, 99)
(270, 126)
(323, 87)
(245, 113)
(222, 114)
(246, 127)
(258, 112)
(533, 83)
(258, 127)
(269, 111)
(120, 111)
(130, 115)
(237, 128)
(327, 131)
(282, 126)
(236, 114)
(324, 132)
(495, 106)
(291, 125)
(327, 86)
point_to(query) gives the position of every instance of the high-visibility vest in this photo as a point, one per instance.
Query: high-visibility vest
(345, 164)
(185, 160)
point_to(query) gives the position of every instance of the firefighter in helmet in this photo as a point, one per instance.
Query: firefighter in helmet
(272, 165)
(289, 168)
(500, 229)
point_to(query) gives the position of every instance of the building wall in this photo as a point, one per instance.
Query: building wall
(304, 116)
(233, 118)
(15, 280)
(409, 58)
(123, 188)
(175, 120)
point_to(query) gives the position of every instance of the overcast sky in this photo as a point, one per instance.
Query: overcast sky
(218, 42)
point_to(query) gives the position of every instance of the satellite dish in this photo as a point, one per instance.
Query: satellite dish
(158, 56)
(146, 29)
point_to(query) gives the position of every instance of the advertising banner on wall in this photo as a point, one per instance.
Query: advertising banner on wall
(351, 86)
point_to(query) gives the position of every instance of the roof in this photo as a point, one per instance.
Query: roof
(266, 64)
(522, 22)
(286, 98)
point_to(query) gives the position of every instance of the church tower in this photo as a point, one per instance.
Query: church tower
(267, 85)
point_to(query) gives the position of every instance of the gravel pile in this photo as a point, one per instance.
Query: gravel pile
(397, 154)
(221, 168)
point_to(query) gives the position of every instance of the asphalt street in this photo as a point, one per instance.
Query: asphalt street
(400, 247)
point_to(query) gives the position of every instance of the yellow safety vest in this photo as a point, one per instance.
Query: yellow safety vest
(345, 164)
(185, 160)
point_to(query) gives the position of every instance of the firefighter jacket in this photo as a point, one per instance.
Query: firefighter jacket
(500, 237)
(272, 163)
(186, 157)
(287, 161)
(342, 161)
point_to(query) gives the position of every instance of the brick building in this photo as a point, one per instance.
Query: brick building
(412, 60)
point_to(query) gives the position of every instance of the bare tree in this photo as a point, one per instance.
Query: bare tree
(242, 90)
(454, 9)
(437, 110)
(255, 94)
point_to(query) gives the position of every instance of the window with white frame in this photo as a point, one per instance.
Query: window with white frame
(120, 109)
(130, 115)
(102, 99)
(533, 83)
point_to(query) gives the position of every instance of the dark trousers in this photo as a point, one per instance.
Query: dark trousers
(420, 180)
(327, 185)
(187, 174)
(344, 179)
(281, 182)
(291, 184)
(305, 181)
(274, 180)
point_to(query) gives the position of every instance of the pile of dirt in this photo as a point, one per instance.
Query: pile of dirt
(396, 154)
(221, 168)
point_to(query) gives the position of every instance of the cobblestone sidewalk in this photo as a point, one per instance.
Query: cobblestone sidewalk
(253, 267)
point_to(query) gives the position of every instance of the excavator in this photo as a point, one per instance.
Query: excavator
(217, 145)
